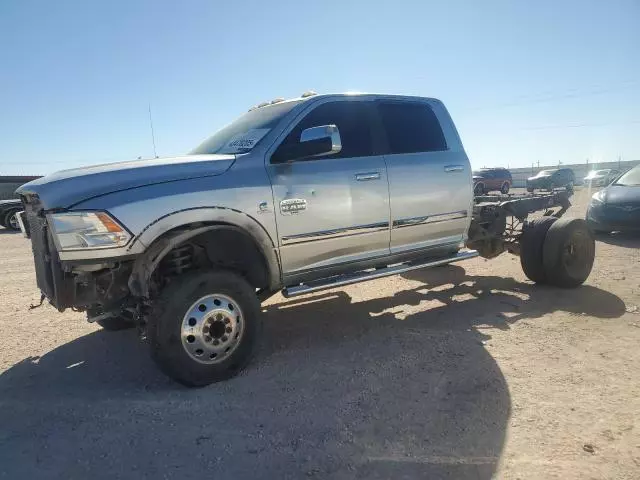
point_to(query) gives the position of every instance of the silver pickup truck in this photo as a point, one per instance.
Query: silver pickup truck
(294, 196)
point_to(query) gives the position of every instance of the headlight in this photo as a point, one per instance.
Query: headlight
(598, 198)
(87, 230)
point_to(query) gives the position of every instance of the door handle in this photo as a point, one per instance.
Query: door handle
(363, 177)
(453, 168)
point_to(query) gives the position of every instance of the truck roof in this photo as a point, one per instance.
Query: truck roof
(311, 94)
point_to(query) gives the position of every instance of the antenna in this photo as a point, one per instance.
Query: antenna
(153, 137)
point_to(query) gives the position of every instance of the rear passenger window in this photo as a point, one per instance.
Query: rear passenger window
(411, 127)
(352, 120)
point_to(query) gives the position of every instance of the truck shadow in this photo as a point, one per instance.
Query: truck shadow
(392, 387)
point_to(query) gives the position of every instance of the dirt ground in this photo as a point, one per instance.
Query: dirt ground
(466, 371)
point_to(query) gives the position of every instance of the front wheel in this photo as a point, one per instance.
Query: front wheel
(204, 327)
(569, 188)
(11, 220)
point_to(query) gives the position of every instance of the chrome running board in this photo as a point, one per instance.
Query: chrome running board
(370, 274)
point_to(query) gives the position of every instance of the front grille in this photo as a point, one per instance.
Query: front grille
(40, 247)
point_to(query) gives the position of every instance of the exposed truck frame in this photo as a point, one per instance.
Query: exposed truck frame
(497, 226)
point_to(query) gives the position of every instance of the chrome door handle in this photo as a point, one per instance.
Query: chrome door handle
(453, 168)
(363, 177)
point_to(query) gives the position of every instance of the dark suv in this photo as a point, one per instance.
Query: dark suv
(489, 179)
(550, 179)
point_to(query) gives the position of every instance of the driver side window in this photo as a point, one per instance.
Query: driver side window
(352, 120)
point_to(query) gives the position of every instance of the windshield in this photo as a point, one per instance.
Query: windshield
(630, 179)
(598, 173)
(546, 172)
(244, 133)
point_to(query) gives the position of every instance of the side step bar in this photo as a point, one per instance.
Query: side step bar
(347, 279)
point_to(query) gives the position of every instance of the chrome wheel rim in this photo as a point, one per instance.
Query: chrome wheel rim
(13, 221)
(212, 328)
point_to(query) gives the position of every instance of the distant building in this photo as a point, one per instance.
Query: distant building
(8, 185)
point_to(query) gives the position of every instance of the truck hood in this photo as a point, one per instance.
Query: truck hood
(65, 188)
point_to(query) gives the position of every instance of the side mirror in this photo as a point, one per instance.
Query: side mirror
(314, 142)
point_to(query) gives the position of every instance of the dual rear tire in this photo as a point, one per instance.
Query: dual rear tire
(558, 252)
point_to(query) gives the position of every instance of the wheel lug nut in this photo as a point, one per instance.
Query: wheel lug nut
(227, 321)
(224, 338)
(216, 342)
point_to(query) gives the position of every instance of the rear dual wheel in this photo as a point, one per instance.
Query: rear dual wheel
(557, 252)
(569, 251)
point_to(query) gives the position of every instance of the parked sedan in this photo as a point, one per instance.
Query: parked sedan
(8, 211)
(617, 207)
(600, 178)
(550, 179)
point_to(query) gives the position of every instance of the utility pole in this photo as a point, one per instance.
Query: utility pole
(153, 137)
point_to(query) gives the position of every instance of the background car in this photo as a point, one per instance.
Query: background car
(617, 207)
(550, 179)
(8, 211)
(600, 178)
(491, 179)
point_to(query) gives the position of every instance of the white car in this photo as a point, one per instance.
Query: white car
(600, 178)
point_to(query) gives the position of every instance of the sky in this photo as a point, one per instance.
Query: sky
(525, 82)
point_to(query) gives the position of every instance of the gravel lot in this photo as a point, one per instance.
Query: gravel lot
(466, 371)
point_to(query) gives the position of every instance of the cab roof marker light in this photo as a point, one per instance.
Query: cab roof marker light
(308, 93)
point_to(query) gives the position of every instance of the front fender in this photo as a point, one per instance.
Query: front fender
(202, 218)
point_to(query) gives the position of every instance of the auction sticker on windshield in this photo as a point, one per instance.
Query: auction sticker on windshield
(245, 141)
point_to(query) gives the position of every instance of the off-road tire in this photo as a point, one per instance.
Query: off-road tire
(165, 322)
(531, 248)
(505, 188)
(568, 254)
